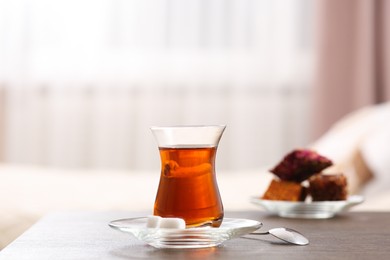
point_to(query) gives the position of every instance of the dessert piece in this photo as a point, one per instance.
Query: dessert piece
(300, 164)
(328, 187)
(285, 190)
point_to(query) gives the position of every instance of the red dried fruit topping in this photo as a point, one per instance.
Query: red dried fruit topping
(300, 164)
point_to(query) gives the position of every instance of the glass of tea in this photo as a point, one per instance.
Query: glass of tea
(188, 187)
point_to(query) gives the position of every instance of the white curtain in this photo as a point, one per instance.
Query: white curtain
(81, 81)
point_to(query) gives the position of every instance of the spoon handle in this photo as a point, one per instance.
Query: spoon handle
(259, 233)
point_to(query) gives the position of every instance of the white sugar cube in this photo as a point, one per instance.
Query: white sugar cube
(153, 222)
(177, 223)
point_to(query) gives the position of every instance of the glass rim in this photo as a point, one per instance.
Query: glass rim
(187, 126)
(188, 135)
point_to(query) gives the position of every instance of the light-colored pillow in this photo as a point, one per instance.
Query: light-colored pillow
(375, 150)
(347, 145)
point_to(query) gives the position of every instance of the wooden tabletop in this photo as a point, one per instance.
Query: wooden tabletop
(86, 235)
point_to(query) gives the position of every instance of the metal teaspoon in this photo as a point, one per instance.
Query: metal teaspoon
(286, 234)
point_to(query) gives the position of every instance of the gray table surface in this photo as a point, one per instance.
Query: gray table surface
(86, 235)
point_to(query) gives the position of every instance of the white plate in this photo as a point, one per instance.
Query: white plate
(311, 210)
(186, 238)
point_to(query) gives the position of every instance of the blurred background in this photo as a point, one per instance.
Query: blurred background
(81, 82)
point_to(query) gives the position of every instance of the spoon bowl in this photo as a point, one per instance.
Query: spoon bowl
(286, 234)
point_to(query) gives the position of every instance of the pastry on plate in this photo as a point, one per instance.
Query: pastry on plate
(300, 164)
(285, 190)
(324, 187)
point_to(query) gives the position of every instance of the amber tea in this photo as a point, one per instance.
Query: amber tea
(188, 187)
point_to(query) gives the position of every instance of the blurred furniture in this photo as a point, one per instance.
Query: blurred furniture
(27, 193)
(86, 235)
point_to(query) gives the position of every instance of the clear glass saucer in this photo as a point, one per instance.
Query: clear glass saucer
(309, 210)
(186, 238)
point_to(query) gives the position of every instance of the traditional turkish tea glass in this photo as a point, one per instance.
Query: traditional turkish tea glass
(188, 187)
